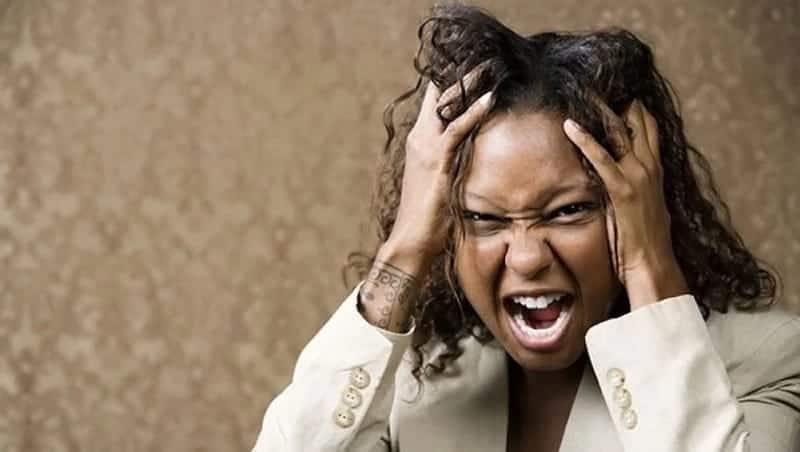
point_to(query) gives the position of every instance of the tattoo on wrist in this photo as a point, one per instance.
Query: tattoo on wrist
(398, 288)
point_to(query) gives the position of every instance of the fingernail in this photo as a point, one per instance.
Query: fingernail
(572, 126)
(486, 98)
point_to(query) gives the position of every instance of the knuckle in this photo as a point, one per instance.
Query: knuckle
(412, 142)
(450, 92)
(412, 149)
(639, 174)
(605, 158)
(617, 130)
(454, 129)
(579, 138)
(626, 192)
(618, 151)
(652, 169)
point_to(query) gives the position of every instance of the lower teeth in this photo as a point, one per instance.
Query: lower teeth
(526, 329)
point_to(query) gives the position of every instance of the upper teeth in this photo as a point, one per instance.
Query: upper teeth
(539, 302)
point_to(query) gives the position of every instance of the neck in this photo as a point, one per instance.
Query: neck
(540, 404)
(547, 385)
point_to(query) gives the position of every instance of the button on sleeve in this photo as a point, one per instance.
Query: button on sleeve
(615, 377)
(628, 418)
(344, 417)
(359, 378)
(622, 397)
(351, 397)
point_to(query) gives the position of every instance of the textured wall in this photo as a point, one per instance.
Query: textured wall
(181, 180)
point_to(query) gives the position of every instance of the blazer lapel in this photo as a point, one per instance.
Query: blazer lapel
(464, 411)
(482, 415)
(468, 413)
(489, 428)
(589, 426)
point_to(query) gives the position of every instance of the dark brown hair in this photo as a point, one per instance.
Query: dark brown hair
(561, 73)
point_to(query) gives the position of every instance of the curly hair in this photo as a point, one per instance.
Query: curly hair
(563, 73)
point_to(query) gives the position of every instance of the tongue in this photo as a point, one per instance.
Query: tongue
(548, 314)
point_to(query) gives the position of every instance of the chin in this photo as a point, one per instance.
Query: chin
(546, 363)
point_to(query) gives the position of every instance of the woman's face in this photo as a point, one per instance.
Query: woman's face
(534, 261)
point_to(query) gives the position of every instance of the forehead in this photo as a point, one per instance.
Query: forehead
(520, 158)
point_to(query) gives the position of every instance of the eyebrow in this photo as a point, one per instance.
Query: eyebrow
(548, 195)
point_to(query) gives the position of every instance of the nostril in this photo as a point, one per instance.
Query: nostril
(528, 261)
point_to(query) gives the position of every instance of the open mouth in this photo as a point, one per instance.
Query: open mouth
(539, 322)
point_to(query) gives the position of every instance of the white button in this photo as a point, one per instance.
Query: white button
(351, 397)
(615, 377)
(359, 378)
(628, 418)
(344, 417)
(622, 397)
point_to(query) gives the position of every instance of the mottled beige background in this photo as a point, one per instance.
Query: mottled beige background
(180, 181)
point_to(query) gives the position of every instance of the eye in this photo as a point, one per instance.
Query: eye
(482, 223)
(574, 211)
(469, 215)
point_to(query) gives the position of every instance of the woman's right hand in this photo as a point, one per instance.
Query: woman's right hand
(388, 295)
(420, 230)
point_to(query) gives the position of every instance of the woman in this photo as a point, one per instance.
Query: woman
(551, 275)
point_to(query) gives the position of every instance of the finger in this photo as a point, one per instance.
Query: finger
(641, 146)
(460, 127)
(651, 125)
(617, 130)
(462, 87)
(468, 81)
(601, 160)
(427, 111)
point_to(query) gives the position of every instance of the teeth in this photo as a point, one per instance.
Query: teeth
(539, 302)
(542, 333)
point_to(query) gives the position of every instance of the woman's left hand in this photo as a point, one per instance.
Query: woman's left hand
(637, 218)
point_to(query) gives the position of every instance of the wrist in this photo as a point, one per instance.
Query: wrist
(655, 282)
(412, 260)
(387, 298)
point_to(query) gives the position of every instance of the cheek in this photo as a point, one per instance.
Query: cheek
(585, 253)
(478, 264)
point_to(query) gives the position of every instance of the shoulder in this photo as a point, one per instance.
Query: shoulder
(758, 348)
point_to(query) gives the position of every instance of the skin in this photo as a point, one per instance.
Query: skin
(519, 160)
(539, 224)
(420, 231)
(535, 221)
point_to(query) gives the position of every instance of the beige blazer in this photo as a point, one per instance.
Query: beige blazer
(660, 379)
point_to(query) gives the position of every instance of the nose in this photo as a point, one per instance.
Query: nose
(527, 254)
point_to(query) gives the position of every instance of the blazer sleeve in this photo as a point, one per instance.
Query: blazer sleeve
(341, 391)
(667, 389)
